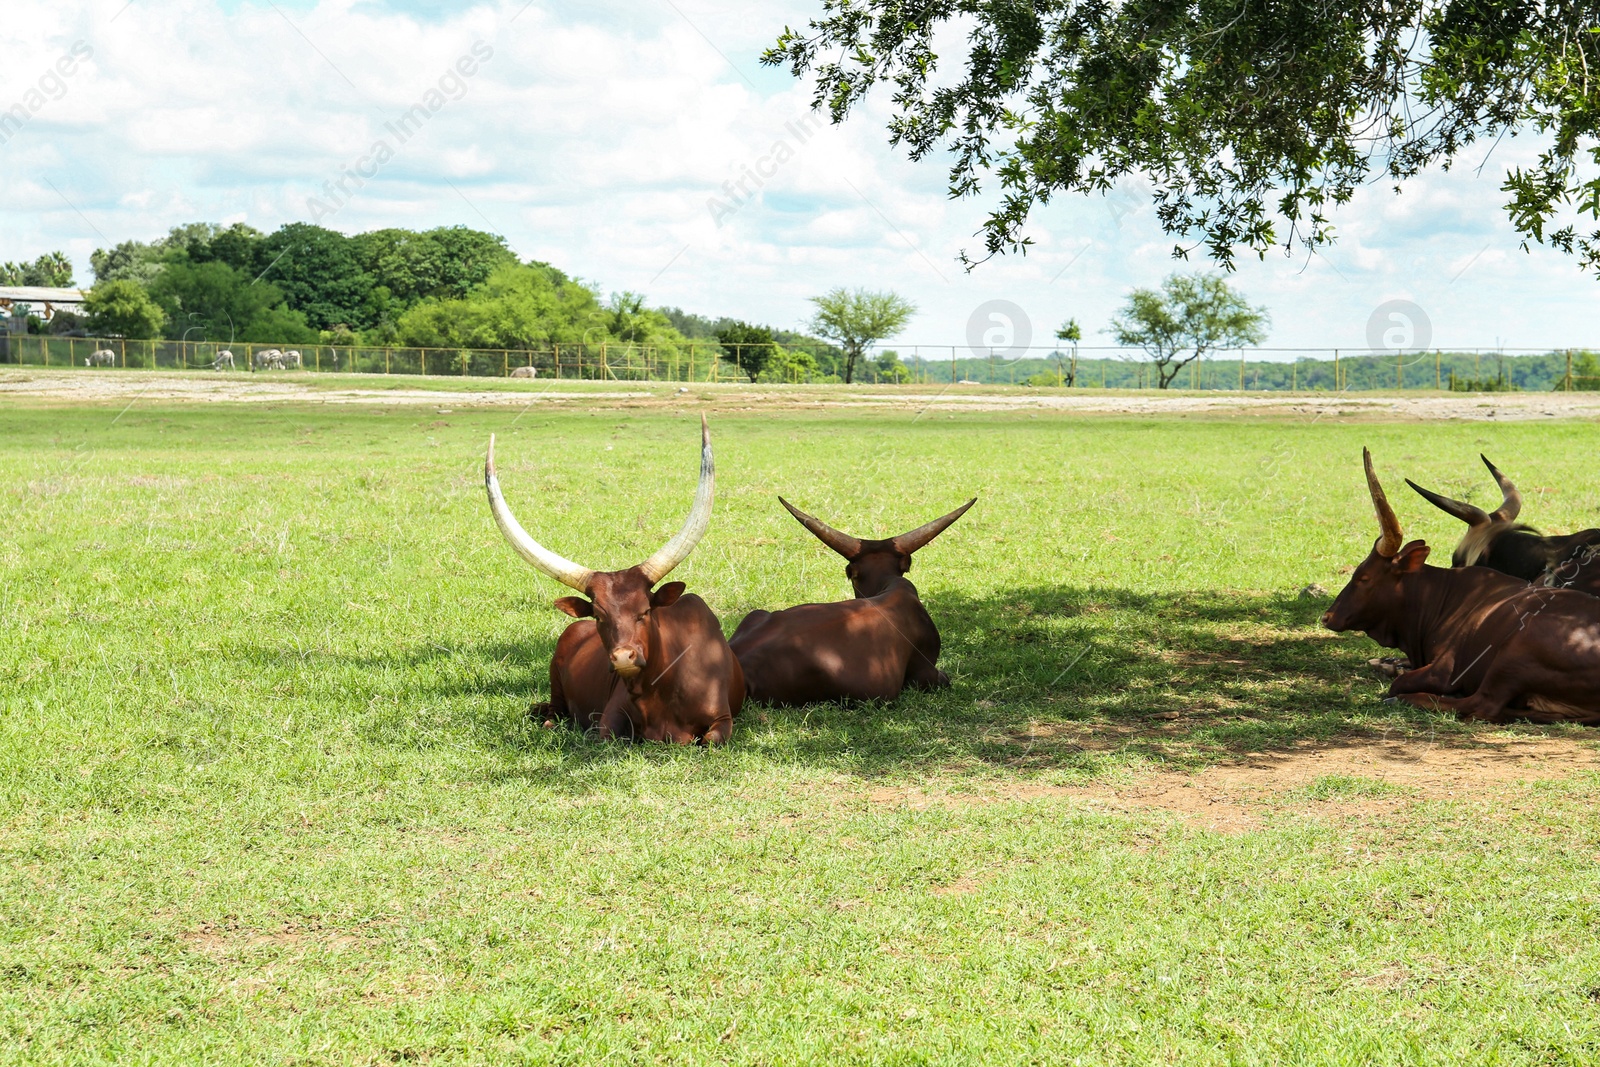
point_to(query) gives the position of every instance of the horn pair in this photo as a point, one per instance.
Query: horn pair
(851, 547)
(1510, 507)
(563, 570)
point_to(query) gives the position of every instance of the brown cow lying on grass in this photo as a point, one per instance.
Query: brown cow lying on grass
(1495, 539)
(1489, 646)
(869, 648)
(641, 662)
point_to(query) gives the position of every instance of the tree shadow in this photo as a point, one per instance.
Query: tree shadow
(1077, 680)
(1082, 680)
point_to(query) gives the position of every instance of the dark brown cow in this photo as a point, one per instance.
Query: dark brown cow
(641, 662)
(1496, 540)
(1488, 645)
(868, 648)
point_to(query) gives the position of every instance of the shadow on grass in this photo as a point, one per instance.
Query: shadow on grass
(1079, 681)
(1048, 679)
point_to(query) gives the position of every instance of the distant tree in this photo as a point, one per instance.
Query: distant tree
(747, 347)
(445, 263)
(890, 369)
(790, 365)
(1586, 372)
(318, 273)
(518, 307)
(858, 318)
(53, 270)
(624, 316)
(123, 308)
(68, 324)
(130, 261)
(1190, 313)
(1071, 333)
(226, 302)
(239, 246)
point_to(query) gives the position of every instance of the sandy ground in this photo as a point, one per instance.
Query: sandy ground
(75, 387)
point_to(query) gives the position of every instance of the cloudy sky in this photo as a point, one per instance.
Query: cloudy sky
(599, 136)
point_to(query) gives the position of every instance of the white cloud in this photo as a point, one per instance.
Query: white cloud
(595, 137)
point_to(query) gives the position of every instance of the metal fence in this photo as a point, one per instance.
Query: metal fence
(602, 362)
(1250, 370)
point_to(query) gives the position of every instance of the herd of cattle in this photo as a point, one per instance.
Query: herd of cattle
(1511, 630)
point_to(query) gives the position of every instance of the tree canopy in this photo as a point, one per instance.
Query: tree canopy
(53, 270)
(1251, 123)
(747, 347)
(223, 303)
(122, 308)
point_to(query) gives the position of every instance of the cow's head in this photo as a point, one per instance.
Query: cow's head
(874, 565)
(1374, 597)
(620, 602)
(1483, 527)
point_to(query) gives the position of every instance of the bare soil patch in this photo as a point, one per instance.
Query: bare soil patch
(87, 386)
(1322, 779)
(228, 937)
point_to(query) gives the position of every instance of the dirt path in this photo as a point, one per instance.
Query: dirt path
(1346, 778)
(82, 386)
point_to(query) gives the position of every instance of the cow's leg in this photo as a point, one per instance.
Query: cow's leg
(616, 721)
(1506, 683)
(721, 729)
(1477, 706)
(923, 671)
(1434, 678)
(557, 709)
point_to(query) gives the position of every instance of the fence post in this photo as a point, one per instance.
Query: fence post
(424, 352)
(1337, 386)
(316, 358)
(1400, 370)
(1568, 389)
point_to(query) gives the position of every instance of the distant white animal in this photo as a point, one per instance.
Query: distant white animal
(269, 359)
(101, 358)
(524, 372)
(224, 359)
(291, 358)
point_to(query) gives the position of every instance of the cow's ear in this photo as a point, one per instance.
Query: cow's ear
(667, 595)
(575, 606)
(1412, 557)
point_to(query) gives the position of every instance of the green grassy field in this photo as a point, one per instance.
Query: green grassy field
(269, 792)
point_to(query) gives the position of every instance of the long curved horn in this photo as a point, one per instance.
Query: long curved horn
(1470, 514)
(842, 543)
(915, 539)
(677, 550)
(1393, 536)
(1511, 506)
(547, 562)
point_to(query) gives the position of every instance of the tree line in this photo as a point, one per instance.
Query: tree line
(450, 288)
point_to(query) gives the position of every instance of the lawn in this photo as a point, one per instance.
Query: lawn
(269, 791)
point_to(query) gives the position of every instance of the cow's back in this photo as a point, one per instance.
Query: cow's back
(846, 650)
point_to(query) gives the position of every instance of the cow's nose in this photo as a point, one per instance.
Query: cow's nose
(1327, 619)
(624, 662)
